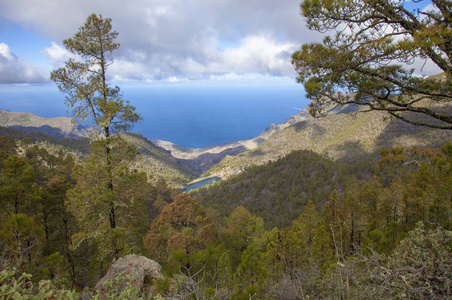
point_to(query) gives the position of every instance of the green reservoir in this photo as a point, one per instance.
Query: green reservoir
(196, 184)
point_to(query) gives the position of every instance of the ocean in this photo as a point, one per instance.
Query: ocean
(190, 116)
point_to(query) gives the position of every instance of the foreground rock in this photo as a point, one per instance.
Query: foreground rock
(139, 267)
(138, 270)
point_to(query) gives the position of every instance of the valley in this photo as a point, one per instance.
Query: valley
(344, 134)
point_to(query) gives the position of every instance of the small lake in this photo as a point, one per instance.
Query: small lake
(200, 183)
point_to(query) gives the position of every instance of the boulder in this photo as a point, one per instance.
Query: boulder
(136, 269)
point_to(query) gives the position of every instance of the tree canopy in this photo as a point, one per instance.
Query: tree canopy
(84, 79)
(368, 60)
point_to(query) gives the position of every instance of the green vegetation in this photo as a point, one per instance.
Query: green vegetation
(378, 238)
(21, 286)
(367, 58)
(278, 191)
(45, 231)
(357, 241)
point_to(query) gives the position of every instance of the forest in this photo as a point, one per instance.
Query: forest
(384, 233)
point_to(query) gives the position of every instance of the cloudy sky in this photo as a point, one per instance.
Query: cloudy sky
(161, 40)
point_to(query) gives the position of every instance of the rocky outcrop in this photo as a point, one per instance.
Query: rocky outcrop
(138, 267)
(138, 270)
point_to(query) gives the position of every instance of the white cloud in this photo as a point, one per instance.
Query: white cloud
(6, 52)
(16, 70)
(57, 54)
(425, 67)
(254, 54)
(123, 70)
(178, 39)
(161, 39)
(431, 8)
(261, 54)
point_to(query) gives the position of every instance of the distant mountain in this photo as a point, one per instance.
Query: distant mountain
(154, 161)
(203, 159)
(340, 136)
(61, 127)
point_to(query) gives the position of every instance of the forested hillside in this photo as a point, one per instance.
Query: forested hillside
(291, 224)
(278, 191)
(154, 161)
(388, 236)
(38, 224)
(359, 239)
(78, 148)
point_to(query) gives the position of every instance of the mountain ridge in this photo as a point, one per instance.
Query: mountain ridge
(202, 159)
(156, 162)
(199, 160)
(345, 134)
(61, 127)
(339, 136)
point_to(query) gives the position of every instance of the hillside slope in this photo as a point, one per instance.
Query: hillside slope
(343, 136)
(61, 127)
(278, 191)
(154, 161)
(159, 163)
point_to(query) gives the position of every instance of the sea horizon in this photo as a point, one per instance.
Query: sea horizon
(189, 116)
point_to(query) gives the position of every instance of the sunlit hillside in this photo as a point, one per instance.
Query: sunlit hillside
(341, 136)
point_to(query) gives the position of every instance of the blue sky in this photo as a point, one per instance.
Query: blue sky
(161, 40)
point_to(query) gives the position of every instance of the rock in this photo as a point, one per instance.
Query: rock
(139, 268)
(86, 295)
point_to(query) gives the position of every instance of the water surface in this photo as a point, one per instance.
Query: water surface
(194, 117)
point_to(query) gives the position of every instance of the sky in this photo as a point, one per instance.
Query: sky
(161, 40)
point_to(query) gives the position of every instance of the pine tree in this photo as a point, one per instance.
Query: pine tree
(112, 217)
(17, 191)
(20, 240)
(89, 95)
(85, 81)
(241, 230)
(367, 57)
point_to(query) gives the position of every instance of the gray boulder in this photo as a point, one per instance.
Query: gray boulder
(136, 269)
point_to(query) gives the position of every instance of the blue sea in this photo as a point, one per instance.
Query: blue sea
(190, 116)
